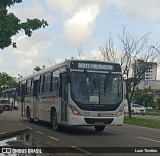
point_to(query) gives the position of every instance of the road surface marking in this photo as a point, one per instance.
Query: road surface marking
(56, 139)
(3, 133)
(39, 132)
(80, 149)
(142, 127)
(25, 126)
(10, 123)
(149, 139)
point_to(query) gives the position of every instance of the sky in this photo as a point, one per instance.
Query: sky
(74, 25)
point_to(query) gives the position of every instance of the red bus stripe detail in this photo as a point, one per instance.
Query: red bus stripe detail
(50, 97)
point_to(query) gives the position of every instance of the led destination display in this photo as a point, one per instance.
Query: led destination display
(99, 66)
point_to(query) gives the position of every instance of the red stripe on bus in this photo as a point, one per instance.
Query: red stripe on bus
(50, 97)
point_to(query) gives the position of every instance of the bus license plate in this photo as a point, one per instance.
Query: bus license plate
(99, 123)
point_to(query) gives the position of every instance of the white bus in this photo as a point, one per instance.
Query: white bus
(74, 93)
(11, 95)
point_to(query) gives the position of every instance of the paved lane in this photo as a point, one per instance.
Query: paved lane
(79, 137)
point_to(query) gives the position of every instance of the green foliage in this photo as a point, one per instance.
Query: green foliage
(37, 68)
(10, 25)
(142, 122)
(6, 81)
(153, 113)
(157, 103)
(144, 97)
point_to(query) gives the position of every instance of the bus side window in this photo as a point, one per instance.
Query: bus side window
(31, 87)
(47, 80)
(35, 88)
(41, 84)
(55, 83)
(18, 89)
(28, 87)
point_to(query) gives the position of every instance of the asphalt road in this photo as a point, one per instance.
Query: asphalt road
(41, 135)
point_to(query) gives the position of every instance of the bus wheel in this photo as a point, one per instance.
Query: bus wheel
(99, 128)
(56, 127)
(29, 116)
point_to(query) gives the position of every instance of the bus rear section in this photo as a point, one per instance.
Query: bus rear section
(11, 95)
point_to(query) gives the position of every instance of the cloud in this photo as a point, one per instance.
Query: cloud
(31, 51)
(137, 8)
(1, 59)
(79, 28)
(79, 19)
(33, 9)
(94, 55)
(73, 6)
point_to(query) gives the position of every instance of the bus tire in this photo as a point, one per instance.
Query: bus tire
(55, 126)
(29, 116)
(99, 128)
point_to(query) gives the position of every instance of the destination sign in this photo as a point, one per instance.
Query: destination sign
(98, 66)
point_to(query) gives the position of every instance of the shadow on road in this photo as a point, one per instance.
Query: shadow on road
(75, 130)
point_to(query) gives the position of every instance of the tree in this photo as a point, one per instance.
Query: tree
(157, 104)
(37, 68)
(108, 51)
(144, 97)
(136, 51)
(80, 52)
(10, 25)
(6, 82)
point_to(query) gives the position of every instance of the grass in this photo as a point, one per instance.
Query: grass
(154, 113)
(142, 122)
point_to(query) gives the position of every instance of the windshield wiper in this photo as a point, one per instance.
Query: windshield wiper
(94, 81)
(106, 81)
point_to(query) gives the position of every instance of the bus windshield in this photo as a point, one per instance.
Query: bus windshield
(96, 88)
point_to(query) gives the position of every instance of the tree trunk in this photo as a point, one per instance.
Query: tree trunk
(129, 108)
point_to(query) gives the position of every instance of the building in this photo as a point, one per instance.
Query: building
(151, 74)
(150, 69)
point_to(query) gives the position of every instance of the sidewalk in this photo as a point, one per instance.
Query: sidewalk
(147, 117)
(9, 128)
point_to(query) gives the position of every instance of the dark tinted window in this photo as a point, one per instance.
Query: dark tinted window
(4, 101)
(47, 79)
(55, 82)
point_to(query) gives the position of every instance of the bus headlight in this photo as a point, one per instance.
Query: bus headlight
(121, 112)
(75, 111)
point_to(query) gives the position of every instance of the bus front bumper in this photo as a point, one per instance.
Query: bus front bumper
(74, 120)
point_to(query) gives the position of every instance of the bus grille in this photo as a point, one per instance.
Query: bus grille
(93, 120)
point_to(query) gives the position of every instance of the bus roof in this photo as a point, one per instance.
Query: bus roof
(62, 64)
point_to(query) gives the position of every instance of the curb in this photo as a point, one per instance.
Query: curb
(142, 127)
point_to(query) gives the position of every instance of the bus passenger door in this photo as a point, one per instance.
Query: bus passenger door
(22, 99)
(35, 99)
(64, 96)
